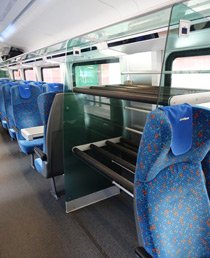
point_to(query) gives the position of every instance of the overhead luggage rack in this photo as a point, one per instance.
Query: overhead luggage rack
(140, 93)
(128, 94)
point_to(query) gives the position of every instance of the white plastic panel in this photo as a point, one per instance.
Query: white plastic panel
(48, 22)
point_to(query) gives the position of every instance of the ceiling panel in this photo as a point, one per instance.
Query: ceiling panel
(51, 21)
(9, 10)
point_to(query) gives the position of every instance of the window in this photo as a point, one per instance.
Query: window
(96, 73)
(51, 74)
(198, 80)
(3, 74)
(16, 74)
(30, 74)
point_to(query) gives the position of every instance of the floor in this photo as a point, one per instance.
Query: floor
(34, 225)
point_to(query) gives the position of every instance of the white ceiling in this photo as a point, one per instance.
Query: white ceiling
(10, 10)
(47, 22)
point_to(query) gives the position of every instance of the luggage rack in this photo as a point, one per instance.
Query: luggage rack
(116, 157)
(144, 94)
(120, 152)
(140, 93)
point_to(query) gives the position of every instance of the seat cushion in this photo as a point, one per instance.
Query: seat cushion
(38, 165)
(28, 146)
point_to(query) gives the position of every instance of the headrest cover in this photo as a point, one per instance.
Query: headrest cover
(24, 91)
(180, 117)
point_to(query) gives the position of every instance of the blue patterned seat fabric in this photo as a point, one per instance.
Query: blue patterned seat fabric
(45, 101)
(2, 113)
(206, 170)
(2, 102)
(39, 84)
(26, 114)
(172, 205)
(6, 90)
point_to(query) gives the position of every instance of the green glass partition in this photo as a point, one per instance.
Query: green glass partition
(186, 66)
(91, 118)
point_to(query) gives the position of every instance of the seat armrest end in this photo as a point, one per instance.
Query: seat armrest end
(40, 154)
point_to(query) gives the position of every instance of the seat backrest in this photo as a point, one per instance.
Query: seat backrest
(38, 84)
(45, 101)
(171, 201)
(54, 138)
(25, 107)
(6, 90)
(53, 87)
(7, 85)
(2, 108)
(206, 170)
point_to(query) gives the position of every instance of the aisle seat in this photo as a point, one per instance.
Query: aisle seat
(2, 103)
(53, 87)
(171, 200)
(8, 109)
(26, 114)
(50, 161)
(39, 84)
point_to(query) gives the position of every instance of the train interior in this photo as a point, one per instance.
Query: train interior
(93, 159)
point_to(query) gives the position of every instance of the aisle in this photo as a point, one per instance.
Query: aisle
(34, 225)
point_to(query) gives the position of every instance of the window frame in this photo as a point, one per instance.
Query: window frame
(184, 53)
(47, 67)
(25, 69)
(93, 62)
(13, 74)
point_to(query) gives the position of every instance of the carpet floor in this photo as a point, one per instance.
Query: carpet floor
(34, 225)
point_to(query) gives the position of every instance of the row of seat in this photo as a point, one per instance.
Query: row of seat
(25, 104)
(171, 197)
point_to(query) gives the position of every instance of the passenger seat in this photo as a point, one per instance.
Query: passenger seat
(206, 170)
(50, 161)
(171, 200)
(53, 87)
(26, 114)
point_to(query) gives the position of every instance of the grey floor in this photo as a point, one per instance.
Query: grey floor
(34, 225)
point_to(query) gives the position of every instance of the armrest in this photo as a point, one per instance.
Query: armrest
(15, 129)
(40, 154)
(142, 253)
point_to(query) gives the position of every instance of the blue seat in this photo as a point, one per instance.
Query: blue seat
(26, 114)
(8, 118)
(45, 102)
(2, 113)
(50, 161)
(206, 170)
(53, 87)
(41, 85)
(171, 200)
(2, 103)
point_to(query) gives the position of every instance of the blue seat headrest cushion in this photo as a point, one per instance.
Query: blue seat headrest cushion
(180, 117)
(24, 91)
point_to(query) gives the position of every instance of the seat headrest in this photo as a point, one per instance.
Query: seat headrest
(24, 91)
(53, 87)
(181, 120)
